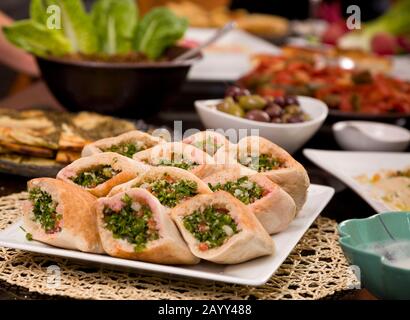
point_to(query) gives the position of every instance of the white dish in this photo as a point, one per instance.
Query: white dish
(370, 136)
(254, 272)
(290, 136)
(229, 58)
(347, 166)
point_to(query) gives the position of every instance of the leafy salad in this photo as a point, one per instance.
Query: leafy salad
(112, 27)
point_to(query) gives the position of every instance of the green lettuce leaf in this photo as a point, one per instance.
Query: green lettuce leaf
(158, 30)
(35, 38)
(115, 21)
(38, 11)
(76, 23)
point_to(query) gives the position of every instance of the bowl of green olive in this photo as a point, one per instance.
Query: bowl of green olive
(289, 121)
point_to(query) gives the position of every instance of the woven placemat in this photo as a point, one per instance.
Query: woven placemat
(315, 269)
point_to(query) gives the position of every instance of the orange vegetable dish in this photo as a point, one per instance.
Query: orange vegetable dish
(341, 89)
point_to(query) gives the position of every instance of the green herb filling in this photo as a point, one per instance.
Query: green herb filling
(137, 227)
(127, 149)
(44, 210)
(172, 193)
(93, 177)
(261, 163)
(182, 164)
(242, 189)
(208, 145)
(211, 227)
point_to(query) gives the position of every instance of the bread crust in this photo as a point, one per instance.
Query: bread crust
(78, 223)
(292, 177)
(99, 146)
(128, 167)
(275, 210)
(168, 249)
(213, 136)
(156, 173)
(251, 242)
(165, 151)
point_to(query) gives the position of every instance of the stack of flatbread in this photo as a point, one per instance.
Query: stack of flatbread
(57, 136)
(170, 202)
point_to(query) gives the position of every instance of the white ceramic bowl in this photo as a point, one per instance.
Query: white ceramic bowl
(370, 136)
(290, 136)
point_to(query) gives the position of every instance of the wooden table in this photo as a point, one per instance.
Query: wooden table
(344, 205)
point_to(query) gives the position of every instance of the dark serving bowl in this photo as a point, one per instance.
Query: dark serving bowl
(131, 89)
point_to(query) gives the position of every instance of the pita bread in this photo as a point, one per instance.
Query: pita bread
(275, 210)
(250, 242)
(290, 174)
(207, 141)
(169, 248)
(126, 169)
(78, 224)
(171, 153)
(170, 174)
(140, 139)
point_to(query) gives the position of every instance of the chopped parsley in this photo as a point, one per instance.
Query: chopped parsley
(211, 227)
(177, 161)
(137, 227)
(29, 236)
(172, 193)
(44, 210)
(243, 189)
(208, 145)
(182, 163)
(261, 163)
(127, 149)
(93, 177)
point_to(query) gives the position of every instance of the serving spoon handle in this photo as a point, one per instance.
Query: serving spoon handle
(218, 34)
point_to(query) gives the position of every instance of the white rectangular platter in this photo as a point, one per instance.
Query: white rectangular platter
(255, 272)
(348, 165)
(229, 58)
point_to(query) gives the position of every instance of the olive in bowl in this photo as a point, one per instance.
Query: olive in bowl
(290, 135)
(241, 103)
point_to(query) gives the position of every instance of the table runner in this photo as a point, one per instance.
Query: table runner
(315, 269)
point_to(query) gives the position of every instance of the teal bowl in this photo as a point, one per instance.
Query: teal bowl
(377, 272)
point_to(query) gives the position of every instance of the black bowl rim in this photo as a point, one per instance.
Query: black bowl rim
(123, 65)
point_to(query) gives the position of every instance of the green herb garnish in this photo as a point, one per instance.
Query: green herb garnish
(172, 193)
(261, 163)
(44, 210)
(178, 162)
(211, 227)
(93, 177)
(208, 145)
(127, 149)
(242, 189)
(137, 227)
(29, 236)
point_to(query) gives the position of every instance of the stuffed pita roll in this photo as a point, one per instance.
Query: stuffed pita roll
(274, 208)
(62, 215)
(208, 141)
(220, 228)
(174, 154)
(261, 155)
(134, 225)
(99, 173)
(126, 144)
(169, 185)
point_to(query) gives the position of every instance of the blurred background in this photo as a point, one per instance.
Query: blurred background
(331, 10)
